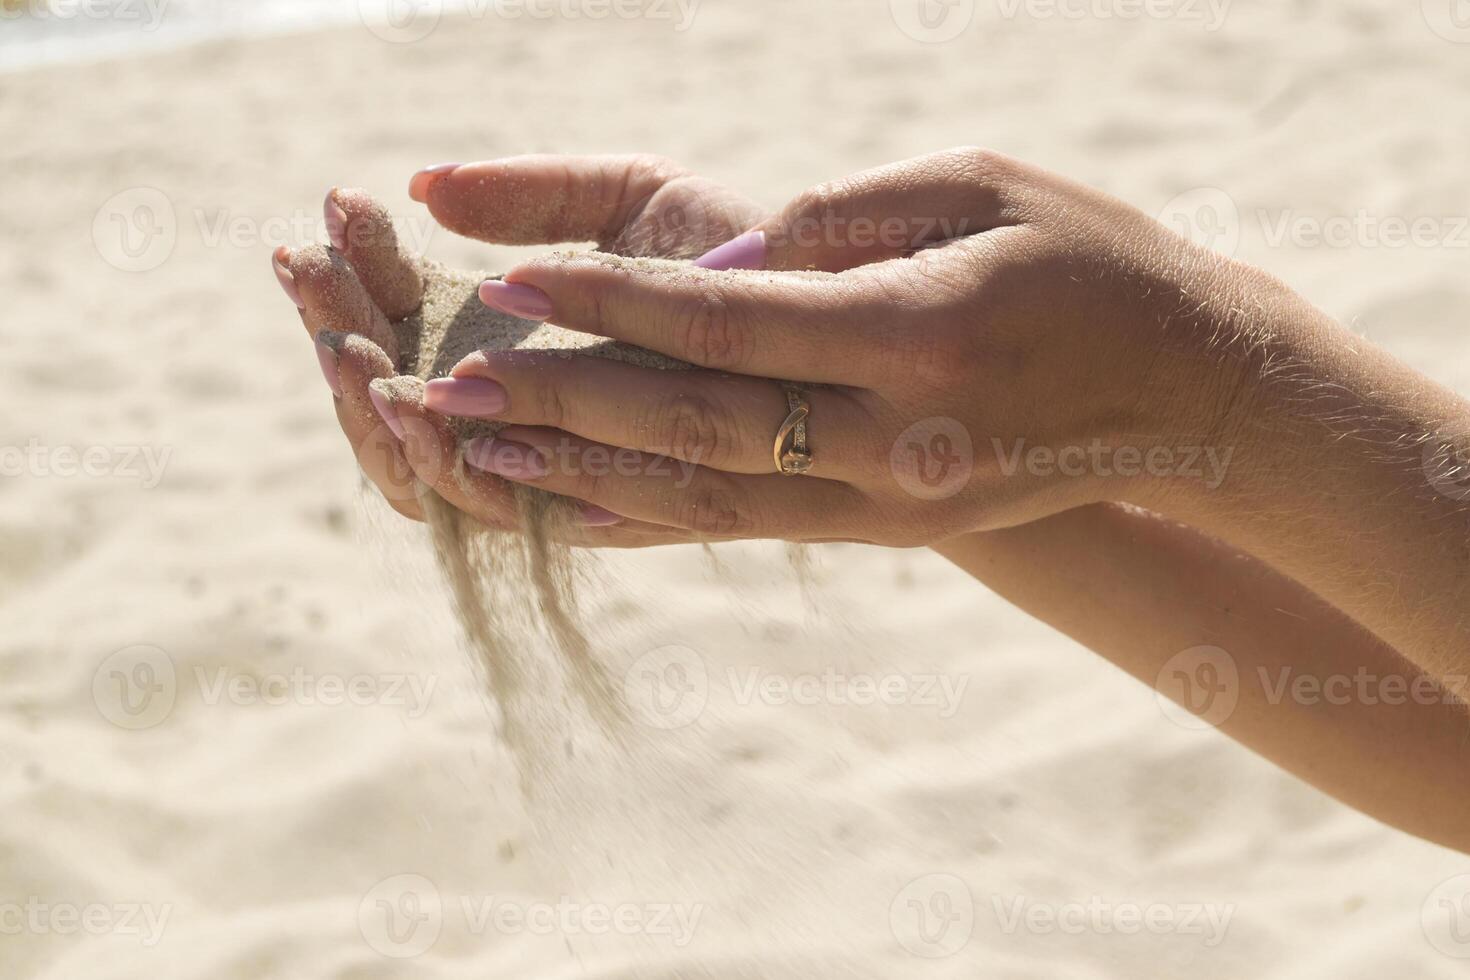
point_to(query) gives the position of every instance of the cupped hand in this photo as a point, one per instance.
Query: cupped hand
(350, 294)
(981, 343)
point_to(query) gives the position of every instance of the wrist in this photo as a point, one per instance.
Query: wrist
(1216, 401)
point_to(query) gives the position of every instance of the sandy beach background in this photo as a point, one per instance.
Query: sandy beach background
(238, 737)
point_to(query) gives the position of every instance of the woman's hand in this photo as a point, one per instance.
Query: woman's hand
(983, 344)
(349, 295)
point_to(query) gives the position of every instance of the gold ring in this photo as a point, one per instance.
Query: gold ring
(791, 454)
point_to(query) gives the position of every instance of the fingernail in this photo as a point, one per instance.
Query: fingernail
(385, 410)
(476, 398)
(517, 299)
(418, 186)
(595, 516)
(508, 459)
(746, 252)
(283, 275)
(330, 370)
(336, 221)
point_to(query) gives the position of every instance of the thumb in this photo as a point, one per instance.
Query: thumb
(873, 216)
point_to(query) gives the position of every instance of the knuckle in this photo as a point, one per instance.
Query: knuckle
(646, 171)
(715, 510)
(907, 531)
(581, 482)
(971, 159)
(694, 428)
(655, 168)
(548, 404)
(406, 509)
(708, 333)
(818, 200)
(977, 167)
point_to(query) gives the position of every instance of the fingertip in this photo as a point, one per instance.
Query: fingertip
(592, 515)
(470, 366)
(520, 300)
(407, 508)
(331, 370)
(419, 183)
(281, 264)
(362, 229)
(335, 297)
(383, 403)
(336, 221)
(748, 251)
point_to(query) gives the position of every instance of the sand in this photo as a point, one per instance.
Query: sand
(513, 592)
(270, 828)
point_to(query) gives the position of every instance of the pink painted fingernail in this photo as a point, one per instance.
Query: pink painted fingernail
(476, 398)
(595, 516)
(418, 186)
(283, 275)
(330, 369)
(385, 410)
(336, 220)
(508, 459)
(746, 252)
(517, 299)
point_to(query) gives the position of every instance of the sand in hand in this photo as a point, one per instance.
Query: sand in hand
(513, 590)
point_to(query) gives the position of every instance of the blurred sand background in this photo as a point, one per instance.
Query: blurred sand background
(271, 834)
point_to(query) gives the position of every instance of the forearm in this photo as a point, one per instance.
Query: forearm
(1139, 590)
(1348, 475)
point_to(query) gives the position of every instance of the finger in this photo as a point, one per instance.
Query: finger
(663, 491)
(631, 204)
(431, 447)
(362, 230)
(724, 421)
(844, 329)
(885, 213)
(332, 297)
(353, 362)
